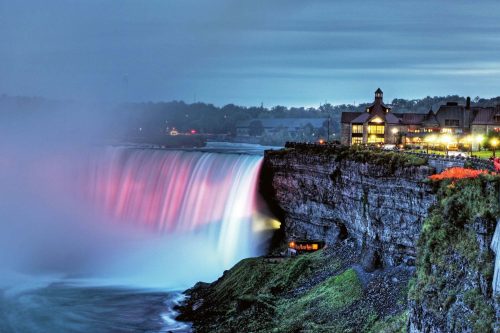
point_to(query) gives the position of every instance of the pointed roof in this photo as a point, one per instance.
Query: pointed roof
(379, 91)
(348, 117)
(430, 119)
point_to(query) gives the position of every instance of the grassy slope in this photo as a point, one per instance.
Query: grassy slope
(311, 293)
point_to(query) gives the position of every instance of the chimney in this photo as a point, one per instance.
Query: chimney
(467, 104)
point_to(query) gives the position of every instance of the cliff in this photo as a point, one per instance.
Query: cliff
(452, 290)
(404, 254)
(379, 199)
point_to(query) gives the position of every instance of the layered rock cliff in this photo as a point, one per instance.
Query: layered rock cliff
(404, 254)
(379, 202)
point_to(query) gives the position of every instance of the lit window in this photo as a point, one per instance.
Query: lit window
(375, 139)
(357, 129)
(357, 141)
(376, 129)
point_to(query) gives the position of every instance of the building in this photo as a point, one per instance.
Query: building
(379, 125)
(293, 127)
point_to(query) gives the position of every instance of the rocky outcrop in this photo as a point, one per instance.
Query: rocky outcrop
(385, 204)
(329, 196)
(453, 286)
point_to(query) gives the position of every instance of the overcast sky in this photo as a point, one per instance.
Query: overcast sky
(289, 52)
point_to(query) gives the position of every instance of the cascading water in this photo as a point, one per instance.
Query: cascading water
(134, 218)
(180, 193)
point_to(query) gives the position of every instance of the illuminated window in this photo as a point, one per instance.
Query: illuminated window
(446, 130)
(357, 141)
(375, 139)
(357, 129)
(376, 129)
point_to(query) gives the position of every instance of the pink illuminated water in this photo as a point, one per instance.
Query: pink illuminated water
(180, 193)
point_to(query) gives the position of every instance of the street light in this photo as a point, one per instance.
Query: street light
(479, 139)
(446, 140)
(494, 143)
(430, 139)
(470, 140)
(394, 133)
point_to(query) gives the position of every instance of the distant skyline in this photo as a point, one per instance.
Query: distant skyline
(287, 52)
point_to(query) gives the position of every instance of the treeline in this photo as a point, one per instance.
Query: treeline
(158, 117)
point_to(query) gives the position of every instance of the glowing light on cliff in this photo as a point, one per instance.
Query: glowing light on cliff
(177, 192)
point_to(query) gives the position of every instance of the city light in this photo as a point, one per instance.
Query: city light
(494, 144)
(446, 139)
(430, 139)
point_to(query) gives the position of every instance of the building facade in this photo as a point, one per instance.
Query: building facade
(379, 125)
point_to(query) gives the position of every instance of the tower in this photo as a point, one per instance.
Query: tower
(379, 96)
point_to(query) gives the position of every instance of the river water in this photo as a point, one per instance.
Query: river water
(103, 241)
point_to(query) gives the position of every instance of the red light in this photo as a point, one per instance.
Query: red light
(193, 131)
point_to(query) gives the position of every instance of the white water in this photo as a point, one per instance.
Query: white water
(495, 246)
(138, 219)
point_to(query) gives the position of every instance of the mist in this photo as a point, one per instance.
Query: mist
(53, 229)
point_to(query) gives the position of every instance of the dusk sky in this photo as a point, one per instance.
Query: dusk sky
(288, 52)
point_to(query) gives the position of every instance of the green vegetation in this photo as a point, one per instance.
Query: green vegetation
(392, 160)
(311, 310)
(448, 247)
(485, 153)
(259, 295)
(394, 324)
(389, 159)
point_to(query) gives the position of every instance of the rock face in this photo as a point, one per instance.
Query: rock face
(324, 197)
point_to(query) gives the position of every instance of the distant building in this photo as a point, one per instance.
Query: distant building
(293, 127)
(378, 124)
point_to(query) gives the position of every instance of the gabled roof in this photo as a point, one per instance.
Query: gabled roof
(412, 118)
(378, 108)
(484, 116)
(390, 118)
(347, 117)
(362, 118)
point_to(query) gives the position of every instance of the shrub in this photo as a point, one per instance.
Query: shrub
(458, 173)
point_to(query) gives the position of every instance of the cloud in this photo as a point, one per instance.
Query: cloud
(175, 49)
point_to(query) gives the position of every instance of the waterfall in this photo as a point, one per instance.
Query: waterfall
(495, 246)
(128, 216)
(180, 193)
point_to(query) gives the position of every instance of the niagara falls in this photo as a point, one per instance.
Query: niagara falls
(151, 223)
(221, 166)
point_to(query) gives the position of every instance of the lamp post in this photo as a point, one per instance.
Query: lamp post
(429, 139)
(394, 132)
(471, 140)
(446, 140)
(479, 139)
(494, 143)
